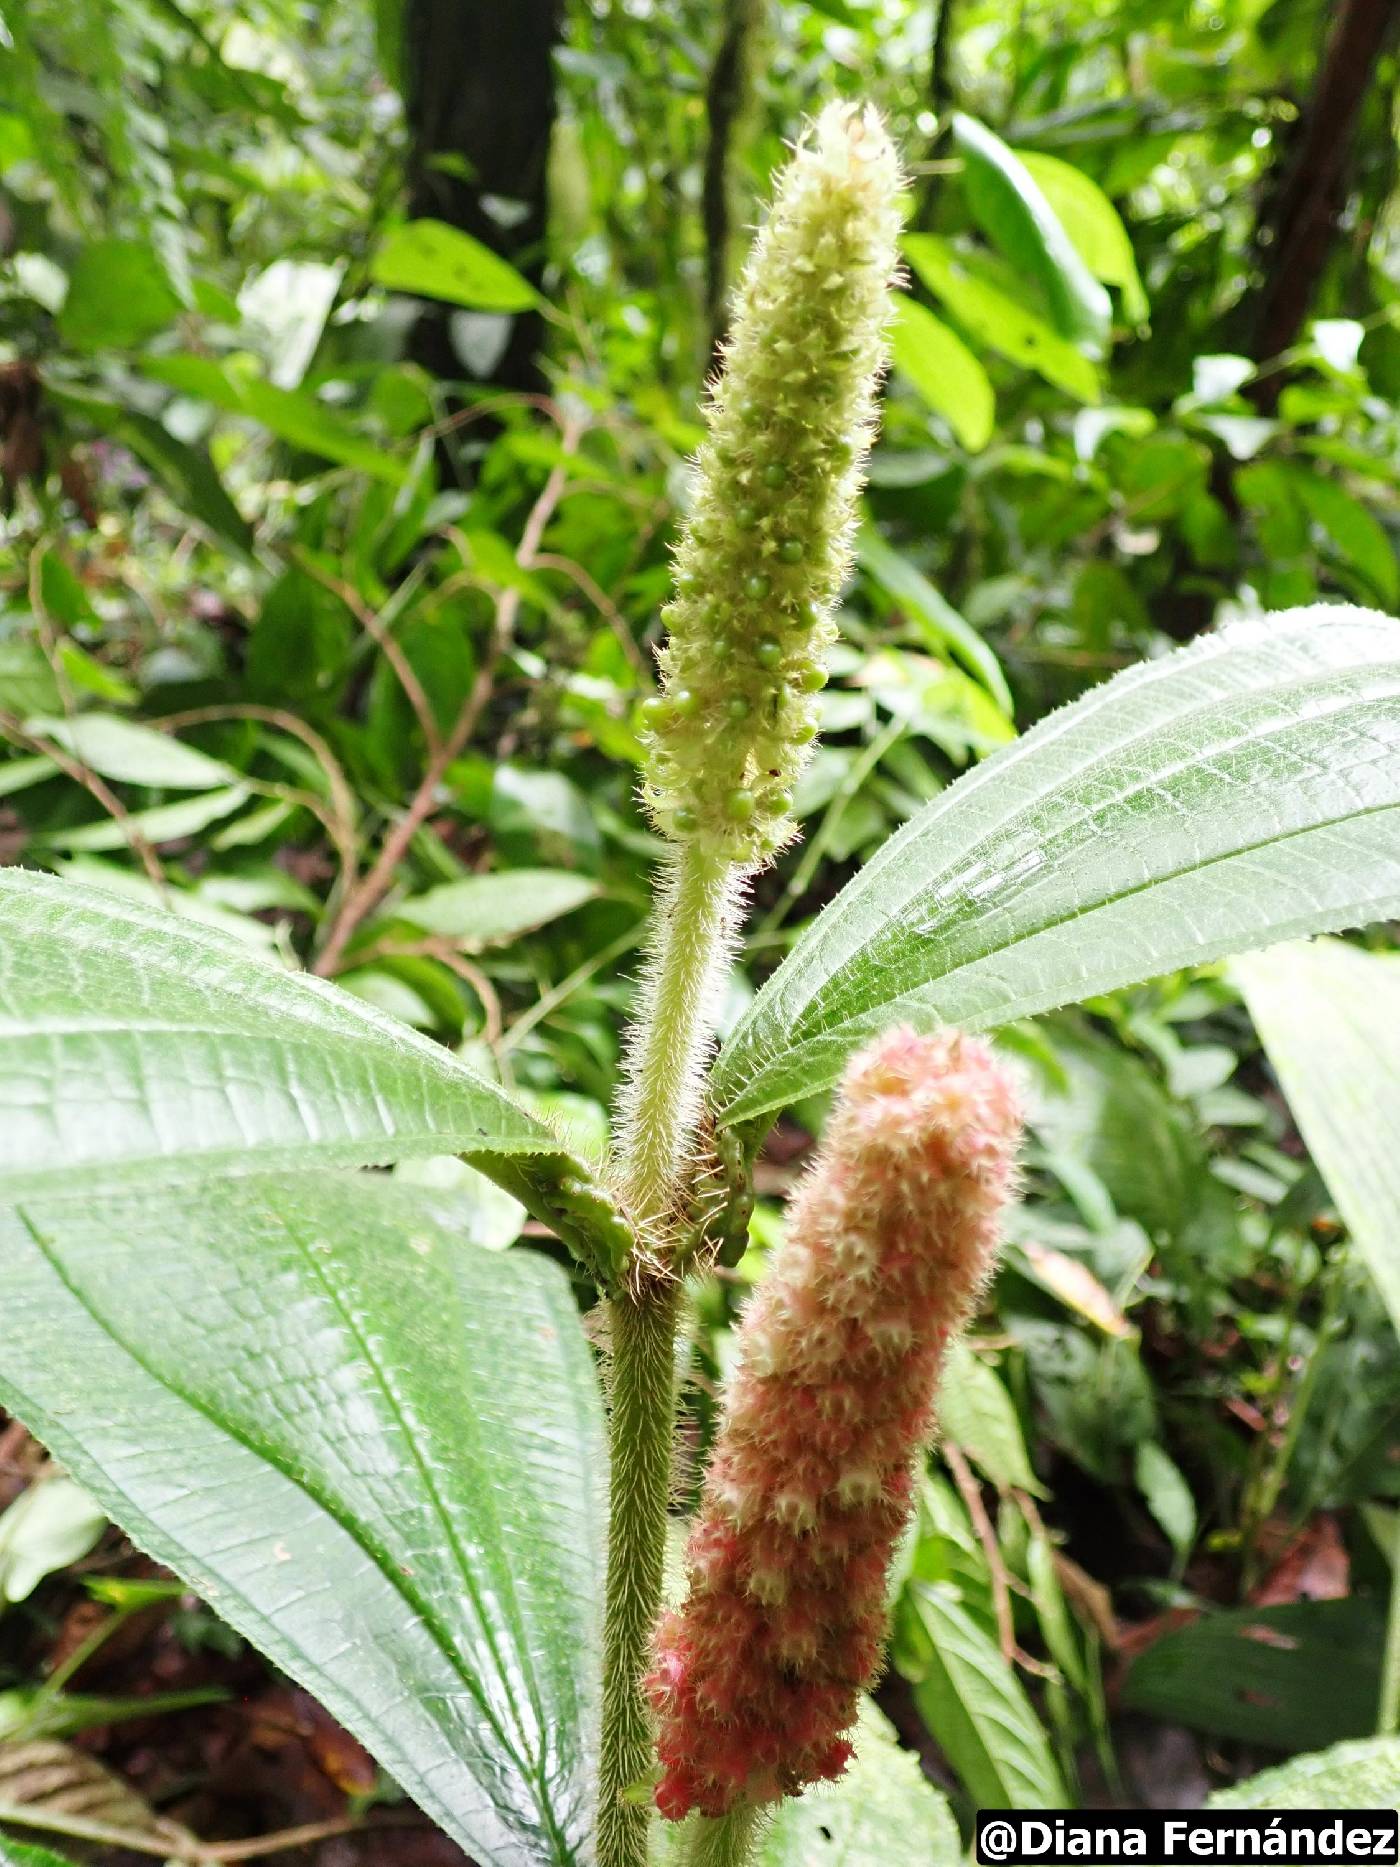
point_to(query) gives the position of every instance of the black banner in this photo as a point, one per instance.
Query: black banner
(1163, 1837)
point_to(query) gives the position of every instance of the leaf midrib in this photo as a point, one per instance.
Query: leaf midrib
(387, 1571)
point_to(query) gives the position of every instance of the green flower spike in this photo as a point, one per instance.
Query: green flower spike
(764, 553)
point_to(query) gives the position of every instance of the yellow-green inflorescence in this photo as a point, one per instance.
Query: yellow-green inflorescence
(762, 558)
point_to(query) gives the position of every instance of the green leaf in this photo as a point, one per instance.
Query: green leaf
(20, 1854)
(1239, 791)
(1292, 1678)
(1093, 224)
(118, 295)
(1012, 210)
(975, 1412)
(488, 910)
(134, 1038)
(404, 1509)
(940, 366)
(187, 473)
(1329, 1017)
(1360, 1775)
(941, 626)
(438, 261)
(1168, 1495)
(51, 1523)
(132, 754)
(1355, 533)
(883, 1809)
(978, 1712)
(161, 824)
(1000, 322)
(291, 414)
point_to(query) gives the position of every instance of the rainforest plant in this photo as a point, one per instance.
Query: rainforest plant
(386, 1455)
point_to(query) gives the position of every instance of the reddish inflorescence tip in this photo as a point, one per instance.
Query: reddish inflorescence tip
(756, 1677)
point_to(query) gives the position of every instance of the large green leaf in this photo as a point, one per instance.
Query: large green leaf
(944, 371)
(883, 1810)
(1093, 224)
(132, 1037)
(1291, 1678)
(1243, 790)
(1011, 208)
(1329, 1017)
(375, 1449)
(1360, 1775)
(978, 1711)
(439, 261)
(19, 1854)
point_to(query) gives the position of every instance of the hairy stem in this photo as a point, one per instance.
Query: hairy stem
(696, 908)
(722, 1843)
(643, 1325)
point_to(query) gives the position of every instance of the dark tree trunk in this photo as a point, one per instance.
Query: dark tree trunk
(727, 100)
(1299, 223)
(479, 99)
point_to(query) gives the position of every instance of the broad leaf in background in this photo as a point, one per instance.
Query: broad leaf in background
(1292, 1678)
(1360, 1775)
(978, 1711)
(1329, 1018)
(936, 361)
(485, 910)
(403, 1506)
(437, 261)
(1093, 224)
(132, 1037)
(1012, 210)
(1241, 790)
(976, 1413)
(1001, 323)
(118, 294)
(133, 754)
(291, 414)
(883, 1809)
(51, 1523)
(931, 614)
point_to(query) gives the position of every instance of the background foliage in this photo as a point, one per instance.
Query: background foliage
(351, 360)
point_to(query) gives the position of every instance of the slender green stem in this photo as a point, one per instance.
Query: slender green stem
(722, 1843)
(643, 1328)
(694, 914)
(1388, 1724)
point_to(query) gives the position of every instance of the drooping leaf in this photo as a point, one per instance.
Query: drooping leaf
(50, 1524)
(1329, 1017)
(975, 1412)
(1167, 1494)
(1364, 1774)
(52, 1787)
(883, 1809)
(374, 1449)
(134, 1038)
(1093, 224)
(978, 1711)
(438, 261)
(1241, 790)
(944, 371)
(1011, 208)
(932, 614)
(293, 415)
(486, 910)
(161, 824)
(1000, 322)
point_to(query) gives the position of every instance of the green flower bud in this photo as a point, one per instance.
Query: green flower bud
(767, 545)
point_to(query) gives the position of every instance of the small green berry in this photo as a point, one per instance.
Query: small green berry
(739, 806)
(768, 654)
(746, 517)
(791, 551)
(812, 678)
(688, 584)
(804, 732)
(758, 586)
(685, 704)
(737, 707)
(775, 474)
(656, 712)
(685, 821)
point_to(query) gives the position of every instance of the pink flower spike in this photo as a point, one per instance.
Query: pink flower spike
(889, 1241)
